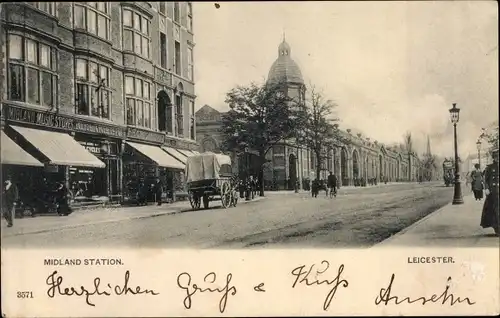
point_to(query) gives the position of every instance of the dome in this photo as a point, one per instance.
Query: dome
(284, 68)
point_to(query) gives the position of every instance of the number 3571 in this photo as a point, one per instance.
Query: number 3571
(24, 294)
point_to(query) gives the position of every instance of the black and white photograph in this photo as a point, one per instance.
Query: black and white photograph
(249, 125)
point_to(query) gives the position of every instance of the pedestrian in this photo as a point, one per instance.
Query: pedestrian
(143, 192)
(62, 199)
(332, 184)
(158, 189)
(490, 216)
(9, 201)
(477, 182)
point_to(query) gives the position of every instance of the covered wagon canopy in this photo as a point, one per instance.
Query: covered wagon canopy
(207, 165)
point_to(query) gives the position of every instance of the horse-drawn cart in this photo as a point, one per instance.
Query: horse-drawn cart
(209, 177)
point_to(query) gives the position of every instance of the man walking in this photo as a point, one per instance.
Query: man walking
(332, 184)
(10, 197)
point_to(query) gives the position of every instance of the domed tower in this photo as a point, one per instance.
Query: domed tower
(290, 164)
(285, 70)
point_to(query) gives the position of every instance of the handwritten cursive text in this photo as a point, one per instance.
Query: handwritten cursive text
(184, 282)
(385, 297)
(309, 278)
(54, 281)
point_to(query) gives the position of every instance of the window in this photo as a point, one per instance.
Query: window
(93, 17)
(162, 8)
(139, 103)
(179, 114)
(192, 126)
(93, 95)
(163, 50)
(190, 17)
(32, 71)
(47, 7)
(136, 34)
(177, 58)
(190, 63)
(177, 12)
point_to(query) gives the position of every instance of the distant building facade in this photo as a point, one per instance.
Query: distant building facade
(288, 163)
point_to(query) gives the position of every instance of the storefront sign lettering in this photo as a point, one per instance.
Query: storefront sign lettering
(60, 121)
(93, 149)
(145, 135)
(99, 129)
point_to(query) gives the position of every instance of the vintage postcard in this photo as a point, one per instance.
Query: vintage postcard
(249, 158)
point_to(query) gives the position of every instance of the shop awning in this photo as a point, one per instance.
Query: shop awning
(186, 153)
(59, 148)
(176, 154)
(195, 152)
(156, 154)
(12, 154)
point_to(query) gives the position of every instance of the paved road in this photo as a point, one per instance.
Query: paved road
(358, 217)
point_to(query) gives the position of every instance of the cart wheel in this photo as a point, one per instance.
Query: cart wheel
(206, 201)
(194, 200)
(225, 195)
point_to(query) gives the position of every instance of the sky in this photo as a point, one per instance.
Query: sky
(391, 67)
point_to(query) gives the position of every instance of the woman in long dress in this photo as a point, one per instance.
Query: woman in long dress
(491, 215)
(477, 182)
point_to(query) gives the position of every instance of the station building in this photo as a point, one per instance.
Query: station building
(289, 163)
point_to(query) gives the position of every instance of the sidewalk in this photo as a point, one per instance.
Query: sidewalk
(450, 226)
(40, 224)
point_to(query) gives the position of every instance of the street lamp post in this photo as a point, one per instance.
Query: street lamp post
(478, 144)
(457, 194)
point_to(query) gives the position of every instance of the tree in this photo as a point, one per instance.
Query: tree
(260, 116)
(493, 138)
(317, 130)
(408, 142)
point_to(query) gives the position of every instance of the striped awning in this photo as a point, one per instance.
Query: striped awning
(12, 154)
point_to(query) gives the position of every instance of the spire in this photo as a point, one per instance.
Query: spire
(284, 38)
(428, 146)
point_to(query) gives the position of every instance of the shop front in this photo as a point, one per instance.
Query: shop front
(88, 182)
(19, 167)
(58, 152)
(82, 154)
(144, 163)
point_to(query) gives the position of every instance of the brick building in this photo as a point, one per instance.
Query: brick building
(101, 93)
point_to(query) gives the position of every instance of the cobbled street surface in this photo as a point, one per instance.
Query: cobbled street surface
(357, 217)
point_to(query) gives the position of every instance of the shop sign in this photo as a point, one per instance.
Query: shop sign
(100, 147)
(145, 135)
(59, 121)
